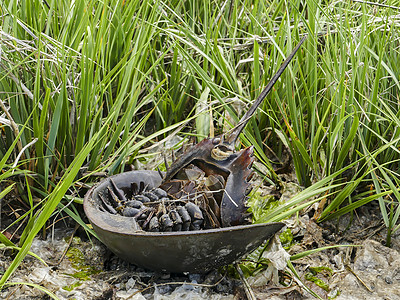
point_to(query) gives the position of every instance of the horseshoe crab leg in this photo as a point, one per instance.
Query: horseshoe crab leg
(230, 138)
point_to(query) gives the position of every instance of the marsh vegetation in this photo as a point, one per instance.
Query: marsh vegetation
(94, 87)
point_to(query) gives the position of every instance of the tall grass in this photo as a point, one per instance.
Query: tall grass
(88, 84)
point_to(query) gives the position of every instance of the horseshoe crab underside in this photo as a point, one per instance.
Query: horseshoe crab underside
(182, 251)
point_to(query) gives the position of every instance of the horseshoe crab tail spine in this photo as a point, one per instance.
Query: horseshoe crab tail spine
(233, 134)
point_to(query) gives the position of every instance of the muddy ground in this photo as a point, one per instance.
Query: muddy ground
(76, 266)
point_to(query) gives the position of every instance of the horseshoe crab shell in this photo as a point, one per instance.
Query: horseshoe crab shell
(182, 251)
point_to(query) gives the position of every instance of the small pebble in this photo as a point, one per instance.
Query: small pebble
(195, 278)
(388, 280)
(130, 284)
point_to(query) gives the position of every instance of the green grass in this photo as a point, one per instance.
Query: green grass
(87, 84)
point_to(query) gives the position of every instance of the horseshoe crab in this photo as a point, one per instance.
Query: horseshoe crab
(143, 216)
(181, 251)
